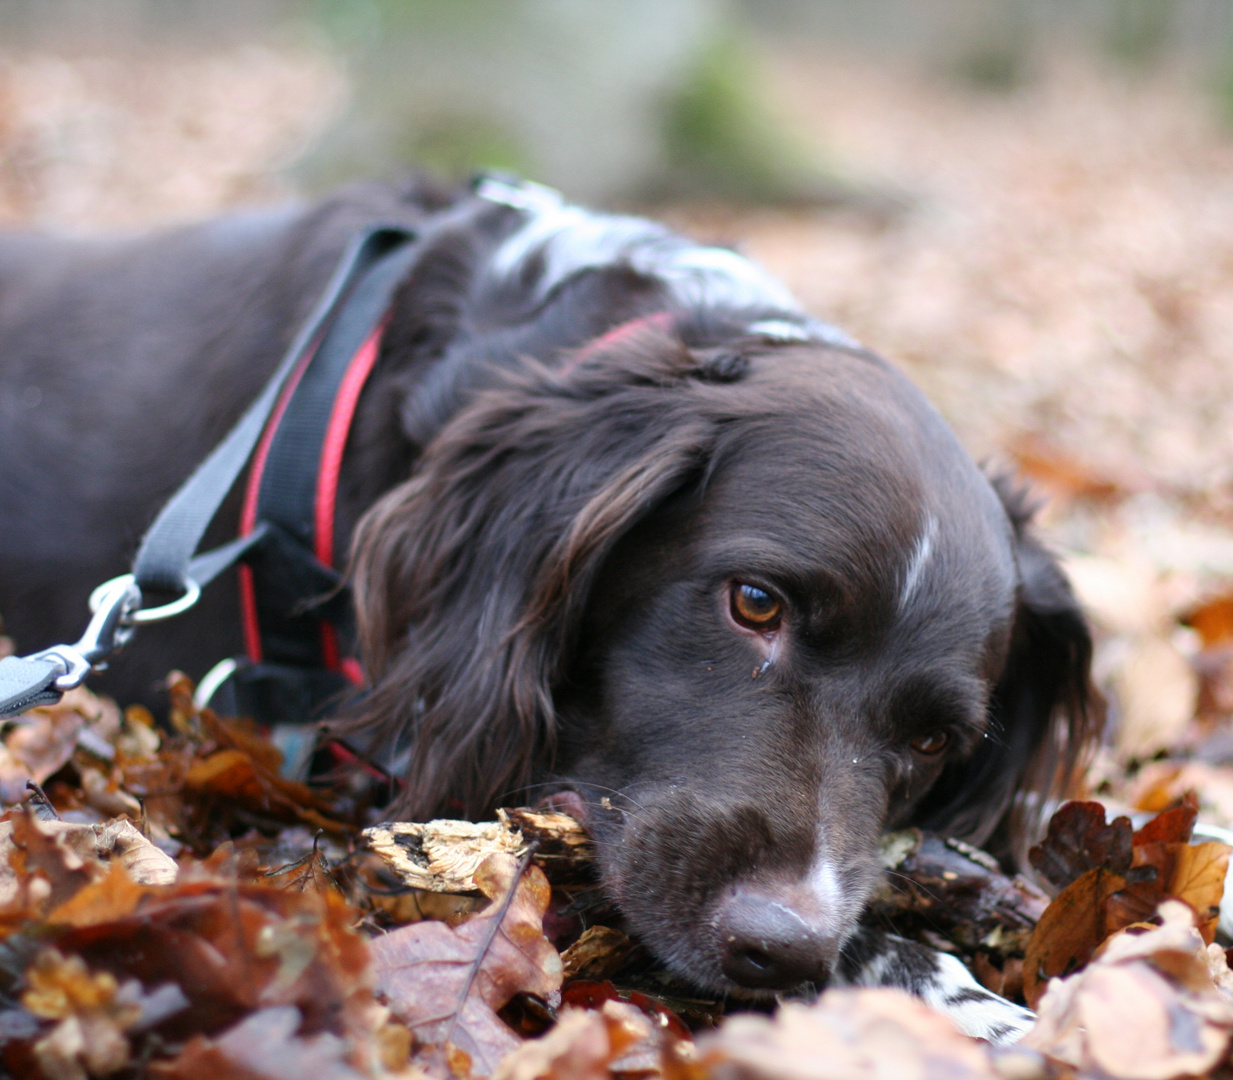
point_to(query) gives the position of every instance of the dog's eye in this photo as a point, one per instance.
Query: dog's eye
(931, 743)
(755, 608)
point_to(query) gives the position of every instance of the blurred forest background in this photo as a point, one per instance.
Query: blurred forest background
(1026, 203)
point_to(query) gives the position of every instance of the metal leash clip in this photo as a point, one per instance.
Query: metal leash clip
(114, 604)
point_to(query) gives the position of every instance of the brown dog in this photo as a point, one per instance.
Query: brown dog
(637, 536)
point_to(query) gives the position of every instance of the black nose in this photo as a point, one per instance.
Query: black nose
(769, 943)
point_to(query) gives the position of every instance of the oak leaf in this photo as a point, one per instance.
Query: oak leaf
(447, 983)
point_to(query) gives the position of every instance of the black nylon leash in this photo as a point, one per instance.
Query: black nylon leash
(166, 560)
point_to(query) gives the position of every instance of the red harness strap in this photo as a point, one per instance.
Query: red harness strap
(325, 502)
(327, 481)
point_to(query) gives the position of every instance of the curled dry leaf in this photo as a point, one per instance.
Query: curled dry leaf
(50, 862)
(588, 1045)
(443, 855)
(1147, 1007)
(447, 983)
(43, 863)
(266, 1045)
(598, 953)
(848, 1035)
(41, 741)
(1079, 840)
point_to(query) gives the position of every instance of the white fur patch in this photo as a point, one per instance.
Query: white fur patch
(824, 884)
(568, 239)
(921, 555)
(944, 984)
(976, 1011)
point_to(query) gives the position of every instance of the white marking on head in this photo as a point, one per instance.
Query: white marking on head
(779, 330)
(570, 239)
(824, 884)
(921, 554)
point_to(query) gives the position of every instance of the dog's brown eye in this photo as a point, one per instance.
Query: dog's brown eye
(931, 743)
(755, 608)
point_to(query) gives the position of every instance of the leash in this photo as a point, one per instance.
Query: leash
(373, 264)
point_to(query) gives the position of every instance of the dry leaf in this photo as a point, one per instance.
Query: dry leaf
(266, 1045)
(587, 1045)
(441, 856)
(597, 954)
(1145, 1009)
(846, 1035)
(446, 983)
(444, 855)
(1198, 879)
(1070, 931)
(1079, 840)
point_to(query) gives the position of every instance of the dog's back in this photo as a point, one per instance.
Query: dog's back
(122, 363)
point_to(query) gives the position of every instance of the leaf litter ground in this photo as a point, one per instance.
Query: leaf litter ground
(1061, 286)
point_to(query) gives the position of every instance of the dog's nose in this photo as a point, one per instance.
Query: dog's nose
(768, 944)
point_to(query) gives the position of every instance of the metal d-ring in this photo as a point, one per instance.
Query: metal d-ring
(192, 593)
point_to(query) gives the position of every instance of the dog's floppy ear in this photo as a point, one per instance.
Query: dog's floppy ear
(471, 577)
(1045, 713)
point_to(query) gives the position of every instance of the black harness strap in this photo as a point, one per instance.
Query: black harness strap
(294, 590)
(165, 560)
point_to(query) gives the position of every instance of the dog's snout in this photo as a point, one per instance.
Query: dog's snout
(769, 943)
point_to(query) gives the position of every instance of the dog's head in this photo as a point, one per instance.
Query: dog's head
(743, 608)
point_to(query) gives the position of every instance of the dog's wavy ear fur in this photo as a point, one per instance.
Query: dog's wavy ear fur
(1045, 714)
(472, 576)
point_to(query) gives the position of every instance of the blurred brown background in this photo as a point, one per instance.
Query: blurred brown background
(1029, 205)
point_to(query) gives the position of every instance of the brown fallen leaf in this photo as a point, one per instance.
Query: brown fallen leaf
(597, 954)
(1147, 1007)
(849, 1035)
(113, 897)
(587, 1045)
(266, 1045)
(1198, 879)
(444, 855)
(1171, 826)
(40, 742)
(1070, 931)
(1079, 840)
(447, 983)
